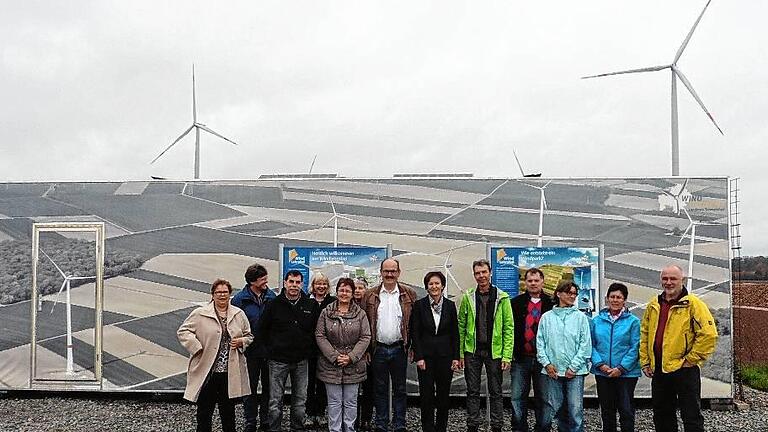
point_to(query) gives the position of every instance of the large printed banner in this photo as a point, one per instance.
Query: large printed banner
(581, 265)
(334, 263)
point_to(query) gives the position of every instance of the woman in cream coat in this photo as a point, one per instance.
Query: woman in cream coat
(216, 336)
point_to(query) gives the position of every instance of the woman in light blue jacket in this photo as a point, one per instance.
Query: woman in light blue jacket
(564, 346)
(615, 363)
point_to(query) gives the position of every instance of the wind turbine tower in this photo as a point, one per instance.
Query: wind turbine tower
(542, 206)
(197, 127)
(66, 284)
(676, 73)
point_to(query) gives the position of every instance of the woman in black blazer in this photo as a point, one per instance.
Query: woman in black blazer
(434, 329)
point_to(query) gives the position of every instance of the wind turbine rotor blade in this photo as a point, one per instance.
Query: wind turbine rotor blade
(522, 173)
(81, 277)
(453, 279)
(172, 144)
(544, 199)
(690, 33)
(645, 69)
(328, 221)
(56, 300)
(333, 207)
(685, 183)
(194, 96)
(210, 131)
(546, 184)
(688, 85)
(685, 233)
(351, 219)
(312, 165)
(688, 215)
(54, 264)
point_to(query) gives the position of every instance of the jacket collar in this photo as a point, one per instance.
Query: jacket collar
(681, 300)
(606, 314)
(333, 310)
(209, 310)
(250, 296)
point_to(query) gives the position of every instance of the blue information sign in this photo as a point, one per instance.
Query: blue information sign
(334, 263)
(582, 265)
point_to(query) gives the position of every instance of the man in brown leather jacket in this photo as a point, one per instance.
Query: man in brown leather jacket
(389, 306)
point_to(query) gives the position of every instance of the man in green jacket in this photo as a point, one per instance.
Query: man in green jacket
(486, 335)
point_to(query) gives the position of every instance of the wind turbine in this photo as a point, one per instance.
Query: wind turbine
(197, 127)
(335, 218)
(542, 206)
(66, 284)
(692, 224)
(522, 173)
(676, 73)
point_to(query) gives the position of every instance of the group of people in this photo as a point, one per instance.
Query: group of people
(342, 352)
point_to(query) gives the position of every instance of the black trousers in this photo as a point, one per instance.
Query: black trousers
(434, 391)
(256, 406)
(616, 394)
(317, 400)
(473, 365)
(365, 400)
(214, 392)
(678, 389)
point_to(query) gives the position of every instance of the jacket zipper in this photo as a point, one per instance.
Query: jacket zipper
(610, 347)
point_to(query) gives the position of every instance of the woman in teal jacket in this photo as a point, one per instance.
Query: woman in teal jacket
(615, 362)
(564, 346)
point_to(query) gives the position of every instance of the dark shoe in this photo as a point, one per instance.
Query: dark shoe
(496, 429)
(472, 428)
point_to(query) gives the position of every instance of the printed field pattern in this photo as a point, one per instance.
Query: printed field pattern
(169, 239)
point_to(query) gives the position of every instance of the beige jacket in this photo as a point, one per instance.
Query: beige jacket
(200, 334)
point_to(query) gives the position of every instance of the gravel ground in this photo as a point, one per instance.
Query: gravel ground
(29, 412)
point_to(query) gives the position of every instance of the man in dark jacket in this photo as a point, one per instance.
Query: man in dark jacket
(527, 309)
(253, 299)
(287, 328)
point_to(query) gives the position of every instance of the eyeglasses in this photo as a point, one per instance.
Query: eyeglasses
(221, 293)
(390, 271)
(570, 293)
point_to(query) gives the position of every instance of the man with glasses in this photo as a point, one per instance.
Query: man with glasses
(389, 306)
(253, 299)
(486, 334)
(287, 328)
(527, 309)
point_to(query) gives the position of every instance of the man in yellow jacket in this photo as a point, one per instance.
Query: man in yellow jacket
(677, 335)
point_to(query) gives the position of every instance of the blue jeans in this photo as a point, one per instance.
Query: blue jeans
(567, 394)
(389, 362)
(278, 374)
(524, 370)
(615, 394)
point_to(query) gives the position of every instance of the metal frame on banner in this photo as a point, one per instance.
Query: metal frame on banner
(63, 383)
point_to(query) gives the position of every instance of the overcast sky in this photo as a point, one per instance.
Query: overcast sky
(95, 90)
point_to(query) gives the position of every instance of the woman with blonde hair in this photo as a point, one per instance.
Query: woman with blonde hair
(216, 336)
